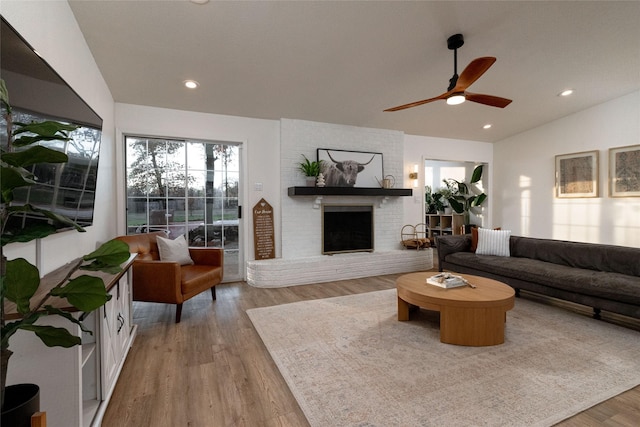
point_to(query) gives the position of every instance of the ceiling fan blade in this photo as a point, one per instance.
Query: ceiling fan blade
(415, 104)
(473, 72)
(493, 101)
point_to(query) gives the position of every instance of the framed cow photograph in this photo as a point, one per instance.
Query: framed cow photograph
(343, 168)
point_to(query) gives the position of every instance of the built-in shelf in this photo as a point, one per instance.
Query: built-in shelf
(349, 191)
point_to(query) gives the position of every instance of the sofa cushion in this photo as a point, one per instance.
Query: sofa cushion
(600, 257)
(611, 286)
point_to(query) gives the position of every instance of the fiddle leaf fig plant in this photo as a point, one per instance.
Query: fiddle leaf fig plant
(19, 279)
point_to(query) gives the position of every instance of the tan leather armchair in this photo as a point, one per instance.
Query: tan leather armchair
(169, 282)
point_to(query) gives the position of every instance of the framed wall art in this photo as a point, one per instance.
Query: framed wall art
(577, 175)
(624, 171)
(343, 168)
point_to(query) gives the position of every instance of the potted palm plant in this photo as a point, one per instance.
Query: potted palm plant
(310, 169)
(20, 279)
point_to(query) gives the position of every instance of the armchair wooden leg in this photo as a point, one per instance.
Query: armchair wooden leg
(213, 292)
(178, 312)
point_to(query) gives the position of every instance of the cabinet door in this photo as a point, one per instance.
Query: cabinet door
(123, 325)
(109, 337)
(116, 330)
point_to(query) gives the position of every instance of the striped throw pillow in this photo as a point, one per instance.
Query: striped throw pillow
(493, 242)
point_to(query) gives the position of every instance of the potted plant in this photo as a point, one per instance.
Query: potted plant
(20, 279)
(434, 202)
(462, 198)
(310, 169)
(445, 194)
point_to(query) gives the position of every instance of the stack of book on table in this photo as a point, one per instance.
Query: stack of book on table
(446, 280)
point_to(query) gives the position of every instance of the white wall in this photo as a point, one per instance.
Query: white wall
(260, 141)
(52, 30)
(301, 223)
(525, 177)
(417, 149)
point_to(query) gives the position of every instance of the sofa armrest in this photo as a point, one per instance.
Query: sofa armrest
(207, 256)
(157, 281)
(450, 244)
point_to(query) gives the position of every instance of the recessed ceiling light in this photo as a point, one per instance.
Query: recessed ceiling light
(191, 84)
(199, 1)
(487, 126)
(566, 92)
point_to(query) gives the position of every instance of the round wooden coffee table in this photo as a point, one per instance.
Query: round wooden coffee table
(468, 316)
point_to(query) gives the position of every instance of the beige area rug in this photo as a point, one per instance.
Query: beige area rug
(349, 362)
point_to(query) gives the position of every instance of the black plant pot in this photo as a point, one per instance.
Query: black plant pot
(20, 402)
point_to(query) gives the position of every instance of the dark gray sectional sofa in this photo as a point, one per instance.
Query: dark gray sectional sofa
(605, 277)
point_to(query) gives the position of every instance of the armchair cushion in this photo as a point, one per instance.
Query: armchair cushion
(174, 250)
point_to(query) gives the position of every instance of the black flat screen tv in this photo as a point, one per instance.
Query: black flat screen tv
(37, 93)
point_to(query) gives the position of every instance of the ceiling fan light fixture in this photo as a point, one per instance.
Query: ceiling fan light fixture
(455, 99)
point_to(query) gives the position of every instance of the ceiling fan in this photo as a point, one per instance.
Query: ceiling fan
(457, 91)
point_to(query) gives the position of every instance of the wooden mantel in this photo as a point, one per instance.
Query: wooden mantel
(349, 191)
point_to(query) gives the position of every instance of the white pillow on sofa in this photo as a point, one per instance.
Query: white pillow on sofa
(174, 250)
(493, 242)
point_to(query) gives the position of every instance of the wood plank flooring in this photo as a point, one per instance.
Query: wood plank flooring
(212, 370)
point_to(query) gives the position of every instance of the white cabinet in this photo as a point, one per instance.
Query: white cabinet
(76, 383)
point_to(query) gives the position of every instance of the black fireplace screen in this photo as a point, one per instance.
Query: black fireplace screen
(347, 228)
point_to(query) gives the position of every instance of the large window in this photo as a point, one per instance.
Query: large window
(185, 188)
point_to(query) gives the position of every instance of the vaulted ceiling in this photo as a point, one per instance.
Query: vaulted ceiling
(345, 62)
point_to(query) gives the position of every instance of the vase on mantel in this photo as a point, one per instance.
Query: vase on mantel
(310, 181)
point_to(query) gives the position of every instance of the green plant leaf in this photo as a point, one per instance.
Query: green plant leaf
(60, 220)
(478, 200)
(12, 177)
(86, 293)
(44, 131)
(21, 282)
(34, 231)
(34, 155)
(462, 188)
(52, 336)
(477, 174)
(52, 310)
(456, 205)
(108, 255)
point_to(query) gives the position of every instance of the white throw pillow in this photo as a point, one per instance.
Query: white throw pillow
(174, 250)
(493, 242)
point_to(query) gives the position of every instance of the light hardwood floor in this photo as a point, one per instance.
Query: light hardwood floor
(212, 370)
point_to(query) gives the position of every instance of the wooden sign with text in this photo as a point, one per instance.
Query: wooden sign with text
(263, 236)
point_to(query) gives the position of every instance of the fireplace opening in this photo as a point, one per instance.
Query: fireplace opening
(347, 228)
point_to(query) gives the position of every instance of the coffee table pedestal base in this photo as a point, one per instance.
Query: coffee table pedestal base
(472, 327)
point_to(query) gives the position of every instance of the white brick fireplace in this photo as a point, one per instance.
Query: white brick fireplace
(302, 261)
